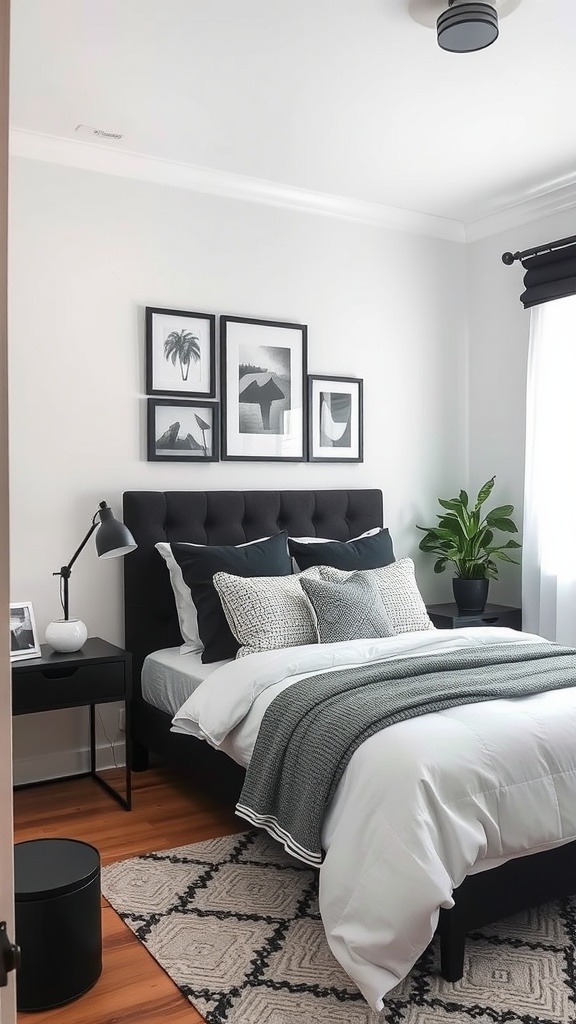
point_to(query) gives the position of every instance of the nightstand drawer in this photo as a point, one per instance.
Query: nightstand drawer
(67, 685)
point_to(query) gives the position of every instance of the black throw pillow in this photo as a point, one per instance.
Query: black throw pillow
(363, 553)
(265, 558)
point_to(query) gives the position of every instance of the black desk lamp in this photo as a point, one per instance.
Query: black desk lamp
(112, 539)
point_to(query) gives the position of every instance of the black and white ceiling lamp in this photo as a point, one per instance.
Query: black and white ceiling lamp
(462, 26)
(466, 27)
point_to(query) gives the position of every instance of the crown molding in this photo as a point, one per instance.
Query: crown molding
(555, 197)
(105, 159)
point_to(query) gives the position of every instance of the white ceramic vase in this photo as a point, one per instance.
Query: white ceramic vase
(65, 635)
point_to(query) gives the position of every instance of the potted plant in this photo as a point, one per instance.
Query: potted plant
(464, 536)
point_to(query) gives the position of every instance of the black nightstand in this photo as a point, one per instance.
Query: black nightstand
(98, 674)
(445, 616)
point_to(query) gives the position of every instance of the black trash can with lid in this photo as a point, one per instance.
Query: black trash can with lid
(58, 921)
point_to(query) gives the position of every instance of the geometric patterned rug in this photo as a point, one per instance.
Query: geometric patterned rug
(234, 922)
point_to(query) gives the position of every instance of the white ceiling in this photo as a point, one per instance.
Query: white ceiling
(347, 97)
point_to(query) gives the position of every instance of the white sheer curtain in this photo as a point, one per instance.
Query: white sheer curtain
(549, 540)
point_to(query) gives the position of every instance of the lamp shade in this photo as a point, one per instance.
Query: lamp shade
(466, 27)
(112, 537)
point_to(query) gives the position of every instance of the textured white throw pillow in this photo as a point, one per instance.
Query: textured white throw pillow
(266, 613)
(398, 589)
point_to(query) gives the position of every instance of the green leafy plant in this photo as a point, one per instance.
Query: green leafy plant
(464, 536)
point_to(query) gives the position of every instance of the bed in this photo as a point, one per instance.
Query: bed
(233, 518)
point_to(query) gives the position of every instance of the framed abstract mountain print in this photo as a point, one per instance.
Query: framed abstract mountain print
(182, 431)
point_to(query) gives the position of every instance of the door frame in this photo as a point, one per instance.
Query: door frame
(8, 994)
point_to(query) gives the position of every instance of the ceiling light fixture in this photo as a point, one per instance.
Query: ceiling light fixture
(462, 26)
(466, 27)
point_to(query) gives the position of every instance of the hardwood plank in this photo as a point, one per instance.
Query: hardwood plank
(133, 988)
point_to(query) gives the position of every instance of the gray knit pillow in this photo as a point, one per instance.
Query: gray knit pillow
(350, 610)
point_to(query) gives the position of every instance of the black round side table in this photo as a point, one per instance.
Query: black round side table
(58, 921)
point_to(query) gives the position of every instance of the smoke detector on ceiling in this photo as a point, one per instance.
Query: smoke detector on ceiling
(100, 133)
(461, 26)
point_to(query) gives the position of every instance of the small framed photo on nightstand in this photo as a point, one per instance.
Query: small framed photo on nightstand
(23, 636)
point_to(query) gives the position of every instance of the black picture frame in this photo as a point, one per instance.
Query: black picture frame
(335, 424)
(193, 351)
(24, 641)
(183, 419)
(275, 428)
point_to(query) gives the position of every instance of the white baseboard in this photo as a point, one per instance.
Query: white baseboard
(66, 762)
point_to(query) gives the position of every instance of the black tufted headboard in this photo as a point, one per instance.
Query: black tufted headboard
(219, 517)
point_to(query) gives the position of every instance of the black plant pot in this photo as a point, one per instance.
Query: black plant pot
(470, 595)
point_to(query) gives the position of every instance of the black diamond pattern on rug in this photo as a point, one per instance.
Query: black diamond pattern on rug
(235, 923)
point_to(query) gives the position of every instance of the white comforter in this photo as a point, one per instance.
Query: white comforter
(421, 804)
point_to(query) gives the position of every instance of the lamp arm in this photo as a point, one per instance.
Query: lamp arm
(66, 570)
(81, 546)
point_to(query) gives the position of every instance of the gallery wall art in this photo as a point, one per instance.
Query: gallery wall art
(182, 431)
(180, 353)
(263, 389)
(270, 409)
(335, 419)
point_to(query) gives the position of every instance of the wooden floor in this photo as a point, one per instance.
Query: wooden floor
(132, 989)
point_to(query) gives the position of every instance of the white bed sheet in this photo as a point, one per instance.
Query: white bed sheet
(169, 677)
(470, 787)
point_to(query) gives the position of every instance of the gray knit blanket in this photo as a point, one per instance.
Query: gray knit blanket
(310, 730)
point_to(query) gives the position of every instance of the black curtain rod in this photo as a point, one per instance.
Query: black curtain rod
(509, 257)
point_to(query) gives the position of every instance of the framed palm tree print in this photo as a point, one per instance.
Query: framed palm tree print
(180, 353)
(335, 414)
(263, 391)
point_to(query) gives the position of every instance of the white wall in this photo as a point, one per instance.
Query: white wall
(499, 331)
(88, 252)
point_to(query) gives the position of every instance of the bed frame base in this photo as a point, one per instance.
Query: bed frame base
(211, 771)
(492, 895)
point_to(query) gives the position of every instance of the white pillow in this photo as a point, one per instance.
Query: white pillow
(185, 607)
(267, 613)
(398, 589)
(331, 540)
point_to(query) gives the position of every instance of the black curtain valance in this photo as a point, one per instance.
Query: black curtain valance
(550, 271)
